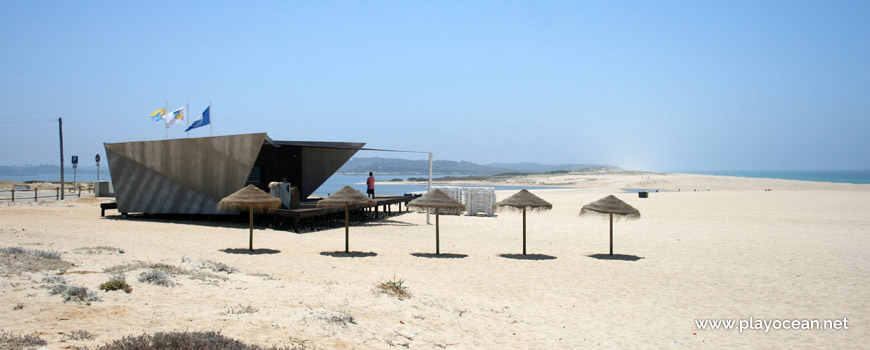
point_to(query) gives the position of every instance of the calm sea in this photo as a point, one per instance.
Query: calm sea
(331, 185)
(336, 182)
(840, 176)
(68, 176)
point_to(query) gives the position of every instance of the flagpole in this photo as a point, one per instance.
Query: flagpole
(164, 119)
(187, 107)
(210, 130)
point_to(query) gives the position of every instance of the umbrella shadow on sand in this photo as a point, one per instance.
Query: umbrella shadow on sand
(246, 251)
(623, 257)
(440, 256)
(524, 201)
(253, 200)
(528, 256)
(437, 200)
(343, 254)
(344, 198)
(387, 222)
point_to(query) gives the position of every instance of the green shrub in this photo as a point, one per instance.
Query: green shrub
(117, 282)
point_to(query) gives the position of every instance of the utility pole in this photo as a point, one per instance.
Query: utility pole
(429, 187)
(60, 132)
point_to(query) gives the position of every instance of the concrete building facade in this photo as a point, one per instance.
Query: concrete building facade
(190, 176)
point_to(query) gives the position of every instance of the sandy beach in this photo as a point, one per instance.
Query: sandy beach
(733, 252)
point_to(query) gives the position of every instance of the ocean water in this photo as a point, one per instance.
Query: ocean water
(358, 182)
(331, 185)
(838, 176)
(67, 176)
(336, 182)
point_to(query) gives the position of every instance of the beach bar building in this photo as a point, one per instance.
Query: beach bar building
(190, 176)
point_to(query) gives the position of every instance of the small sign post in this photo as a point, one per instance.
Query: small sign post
(97, 158)
(75, 163)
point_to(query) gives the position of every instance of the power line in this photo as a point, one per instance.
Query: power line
(11, 120)
(389, 150)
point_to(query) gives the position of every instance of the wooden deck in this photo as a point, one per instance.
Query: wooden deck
(308, 210)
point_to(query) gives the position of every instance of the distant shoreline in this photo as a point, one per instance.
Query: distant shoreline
(858, 177)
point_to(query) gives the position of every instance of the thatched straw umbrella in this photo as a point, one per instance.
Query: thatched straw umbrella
(610, 205)
(436, 199)
(252, 199)
(524, 200)
(344, 198)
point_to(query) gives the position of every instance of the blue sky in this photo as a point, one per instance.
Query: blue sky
(642, 85)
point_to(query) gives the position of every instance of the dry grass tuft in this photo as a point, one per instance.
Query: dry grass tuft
(156, 277)
(79, 294)
(17, 260)
(54, 280)
(395, 288)
(97, 250)
(137, 265)
(80, 334)
(335, 317)
(184, 341)
(47, 254)
(240, 309)
(217, 266)
(17, 342)
(170, 270)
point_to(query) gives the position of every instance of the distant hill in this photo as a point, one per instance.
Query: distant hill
(416, 167)
(449, 167)
(545, 168)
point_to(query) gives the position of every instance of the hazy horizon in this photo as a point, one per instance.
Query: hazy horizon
(639, 85)
(88, 167)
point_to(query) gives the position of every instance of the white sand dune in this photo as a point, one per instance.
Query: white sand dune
(797, 252)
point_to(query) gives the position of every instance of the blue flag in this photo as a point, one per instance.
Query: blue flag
(203, 120)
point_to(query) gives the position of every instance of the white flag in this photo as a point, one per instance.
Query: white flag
(175, 118)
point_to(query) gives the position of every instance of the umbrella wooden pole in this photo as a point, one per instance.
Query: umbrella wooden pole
(524, 230)
(437, 239)
(611, 234)
(251, 222)
(346, 228)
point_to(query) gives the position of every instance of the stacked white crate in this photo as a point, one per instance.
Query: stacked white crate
(479, 200)
(454, 192)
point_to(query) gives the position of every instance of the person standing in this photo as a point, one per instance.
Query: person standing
(371, 185)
